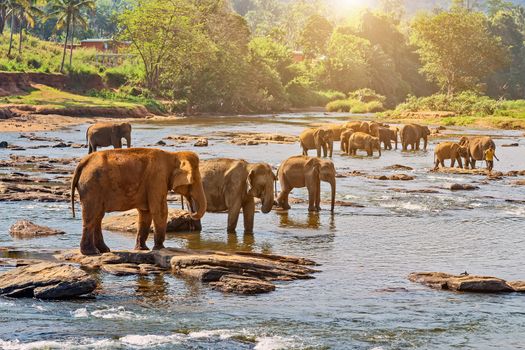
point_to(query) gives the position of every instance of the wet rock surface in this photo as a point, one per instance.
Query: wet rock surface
(178, 221)
(27, 229)
(463, 187)
(239, 273)
(46, 280)
(202, 142)
(466, 283)
(394, 177)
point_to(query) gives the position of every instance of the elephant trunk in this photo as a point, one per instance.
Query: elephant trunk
(333, 188)
(199, 199)
(267, 199)
(128, 141)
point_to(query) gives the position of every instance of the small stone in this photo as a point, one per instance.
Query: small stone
(161, 143)
(203, 142)
(61, 145)
(26, 229)
(4, 144)
(46, 281)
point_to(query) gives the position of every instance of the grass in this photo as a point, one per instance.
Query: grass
(354, 106)
(49, 97)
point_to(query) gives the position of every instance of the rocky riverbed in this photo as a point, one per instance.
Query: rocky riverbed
(385, 226)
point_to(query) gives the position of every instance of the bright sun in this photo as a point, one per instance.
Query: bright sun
(355, 3)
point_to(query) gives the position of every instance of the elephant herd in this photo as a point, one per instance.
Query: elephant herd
(362, 135)
(140, 178)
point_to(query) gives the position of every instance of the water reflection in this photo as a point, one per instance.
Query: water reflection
(196, 241)
(312, 220)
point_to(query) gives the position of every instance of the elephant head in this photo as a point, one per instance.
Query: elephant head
(373, 128)
(324, 138)
(122, 131)
(364, 127)
(463, 141)
(186, 180)
(260, 184)
(327, 174)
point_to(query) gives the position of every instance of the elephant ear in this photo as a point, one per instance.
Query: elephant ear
(318, 135)
(182, 175)
(250, 183)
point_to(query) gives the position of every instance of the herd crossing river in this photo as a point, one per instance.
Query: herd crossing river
(380, 232)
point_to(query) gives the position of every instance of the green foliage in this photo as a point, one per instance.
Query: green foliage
(151, 104)
(354, 106)
(128, 73)
(366, 95)
(315, 36)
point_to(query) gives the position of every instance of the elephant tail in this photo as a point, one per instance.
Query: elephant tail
(74, 183)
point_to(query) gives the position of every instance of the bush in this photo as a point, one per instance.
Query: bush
(366, 95)
(151, 104)
(339, 106)
(126, 73)
(354, 106)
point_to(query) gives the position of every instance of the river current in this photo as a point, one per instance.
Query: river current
(360, 299)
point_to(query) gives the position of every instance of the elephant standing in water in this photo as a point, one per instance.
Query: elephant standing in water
(411, 135)
(476, 146)
(138, 178)
(449, 150)
(304, 171)
(387, 135)
(345, 137)
(360, 140)
(320, 138)
(108, 134)
(232, 184)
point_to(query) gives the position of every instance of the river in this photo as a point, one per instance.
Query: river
(361, 299)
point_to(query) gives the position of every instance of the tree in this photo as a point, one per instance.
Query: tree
(3, 15)
(69, 12)
(457, 49)
(315, 36)
(393, 8)
(27, 12)
(469, 5)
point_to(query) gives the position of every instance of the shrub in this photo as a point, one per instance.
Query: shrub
(366, 95)
(354, 106)
(339, 106)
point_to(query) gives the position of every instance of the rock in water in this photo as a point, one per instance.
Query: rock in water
(178, 221)
(46, 281)
(26, 229)
(463, 187)
(3, 144)
(462, 283)
(203, 142)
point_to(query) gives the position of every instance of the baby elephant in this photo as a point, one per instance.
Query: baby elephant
(360, 140)
(108, 134)
(345, 137)
(449, 150)
(304, 171)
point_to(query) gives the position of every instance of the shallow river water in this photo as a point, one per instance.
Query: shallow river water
(361, 299)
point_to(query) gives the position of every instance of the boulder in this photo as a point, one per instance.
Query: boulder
(461, 283)
(463, 187)
(202, 142)
(160, 143)
(178, 221)
(46, 280)
(26, 229)
(242, 285)
(4, 144)
(61, 145)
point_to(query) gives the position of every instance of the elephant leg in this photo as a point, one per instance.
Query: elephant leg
(160, 221)
(442, 162)
(144, 225)
(318, 197)
(233, 215)
(473, 164)
(313, 186)
(87, 242)
(459, 162)
(282, 199)
(90, 148)
(117, 144)
(248, 212)
(98, 238)
(436, 164)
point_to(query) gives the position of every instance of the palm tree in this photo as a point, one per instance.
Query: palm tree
(27, 11)
(69, 12)
(3, 15)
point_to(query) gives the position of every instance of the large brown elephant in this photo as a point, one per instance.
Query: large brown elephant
(137, 178)
(345, 137)
(477, 145)
(411, 135)
(387, 135)
(108, 134)
(358, 126)
(232, 184)
(337, 129)
(318, 139)
(449, 150)
(304, 171)
(360, 140)
(373, 128)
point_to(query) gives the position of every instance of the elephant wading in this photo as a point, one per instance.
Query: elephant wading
(476, 146)
(358, 126)
(232, 184)
(449, 150)
(360, 140)
(337, 129)
(345, 137)
(411, 135)
(387, 135)
(137, 178)
(304, 171)
(320, 138)
(108, 134)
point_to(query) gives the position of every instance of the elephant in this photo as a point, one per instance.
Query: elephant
(387, 135)
(476, 145)
(232, 184)
(358, 126)
(411, 135)
(108, 134)
(345, 136)
(136, 178)
(373, 128)
(360, 140)
(337, 129)
(320, 138)
(304, 171)
(449, 150)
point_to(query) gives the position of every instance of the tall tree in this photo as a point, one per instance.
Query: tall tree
(27, 11)
(457, 49)
(69, 12)
(315, 35)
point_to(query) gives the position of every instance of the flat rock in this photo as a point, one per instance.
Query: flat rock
(398, 167)
(463, 187)
(461, 283)
(178, 221)
(46, 280)
(202, 142)
(394, 177)
(27, 229)
(421, 190)
(242, 285)
(518, 286)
